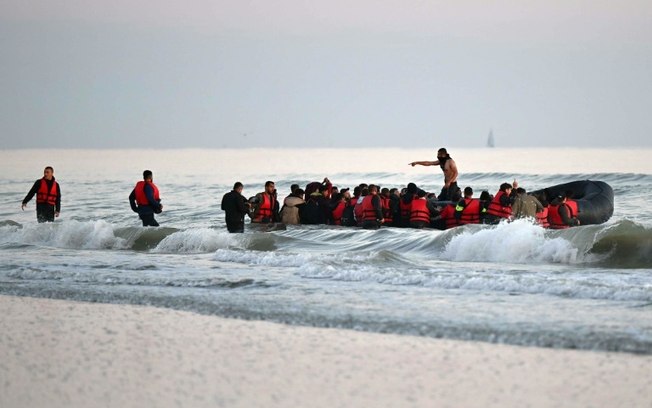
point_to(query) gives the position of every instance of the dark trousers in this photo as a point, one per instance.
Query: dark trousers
(235, 227)
(148, 220)
(44, 213)
(447, 193)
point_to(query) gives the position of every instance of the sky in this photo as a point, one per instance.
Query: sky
(284, 73)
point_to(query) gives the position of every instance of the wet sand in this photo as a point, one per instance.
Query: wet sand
(57, 353)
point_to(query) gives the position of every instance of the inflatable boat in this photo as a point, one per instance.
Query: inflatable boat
(595, 199)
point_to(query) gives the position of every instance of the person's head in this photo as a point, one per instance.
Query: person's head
(335, 189)
(442, 153)
(506, 188)
(457, 195)
(238, 187)
(337, 197)
(485, 196)
(293, 187)
(270, 187)
(384, 192)
(561, 197)
(346, 194)
(421, 193)
(364, 191)
(411, 188)
(298, 192)
(394, 192)
(520, 191)
(373, 190)
(147, 175)
(48, 172)
(357, 191)
(468, 192)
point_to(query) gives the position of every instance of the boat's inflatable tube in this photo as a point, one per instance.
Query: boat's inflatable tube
(595, 199)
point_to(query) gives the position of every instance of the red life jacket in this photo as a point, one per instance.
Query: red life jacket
(357, 209)
(45, 196)
(265, 209)
(387, 214)
(337, 213)
(419, 210)
(448, 215)
(542, 218)
(141, 198)
(471, 212)
(554, 218)
(496, 209)
(572, 207)
(368, 210)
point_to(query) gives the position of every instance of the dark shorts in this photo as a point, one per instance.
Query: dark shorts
(148, 220)
(447, 193)
(235, 227)
(44, 213)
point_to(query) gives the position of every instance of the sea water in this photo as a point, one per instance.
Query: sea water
(588, 287)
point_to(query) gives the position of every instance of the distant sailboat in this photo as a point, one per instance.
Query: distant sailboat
(490, 139)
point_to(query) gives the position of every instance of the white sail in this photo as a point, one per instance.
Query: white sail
(490, 139)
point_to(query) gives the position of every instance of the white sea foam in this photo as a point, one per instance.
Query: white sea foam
(520, 241)
(72, 234)
(199, 240)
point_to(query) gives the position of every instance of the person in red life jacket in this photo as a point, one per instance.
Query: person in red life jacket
(48, 197)
(419, 211)
(560, 214)
(372, 210)
(236, 207)
(446, 218)
(338, 205)
(405, 205)
(500, 207)
(572, 204)
(348, 216)
(448, 166)
(357, 209)
(525, 205)
(266, 207)
(467, 210)
(145, 200)
(385, 201)
(542, 216)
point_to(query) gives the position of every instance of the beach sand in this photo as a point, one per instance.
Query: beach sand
(57, 353)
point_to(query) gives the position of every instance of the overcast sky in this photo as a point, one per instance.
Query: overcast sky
(213, 73)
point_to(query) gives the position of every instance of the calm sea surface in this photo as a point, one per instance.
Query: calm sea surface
(588, 287)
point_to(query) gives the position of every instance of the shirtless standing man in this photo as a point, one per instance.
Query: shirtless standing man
(448, 166)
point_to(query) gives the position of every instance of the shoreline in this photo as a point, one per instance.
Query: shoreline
(61, 353)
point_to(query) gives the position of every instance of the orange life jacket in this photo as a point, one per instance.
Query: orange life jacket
(496, 209)
(141, 198)
(45, 196)
(419, 211)
(572, 207)
(542, 218)
(554, 218)
(265, 209)
(368, 210)
(358, 211)
(471, 212)
(387, 214)
(448, 215)
(337, 213)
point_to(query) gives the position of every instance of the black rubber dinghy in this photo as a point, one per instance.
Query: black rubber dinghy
(595, 199)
